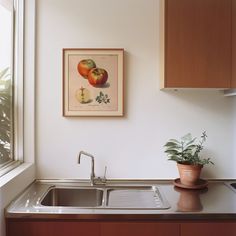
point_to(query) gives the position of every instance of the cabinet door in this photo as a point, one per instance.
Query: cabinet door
(198, 43)
(139, 229)
(206, 229)
(50, 228)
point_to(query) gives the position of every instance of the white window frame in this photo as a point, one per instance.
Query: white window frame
(19, 80)
(18, 91)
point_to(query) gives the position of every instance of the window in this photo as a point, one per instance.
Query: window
(11, 89)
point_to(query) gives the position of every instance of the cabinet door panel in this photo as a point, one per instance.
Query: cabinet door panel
(49, 228)
(206, 229)
(198, 43)
(139, 229)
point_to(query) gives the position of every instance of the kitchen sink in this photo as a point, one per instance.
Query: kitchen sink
(73, 197)
(145, 197)
(106, 197)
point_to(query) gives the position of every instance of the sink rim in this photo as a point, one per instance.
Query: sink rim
(105, 189)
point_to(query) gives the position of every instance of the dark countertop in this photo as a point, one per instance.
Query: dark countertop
(216, 202)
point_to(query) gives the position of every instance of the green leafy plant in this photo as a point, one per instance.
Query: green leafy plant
(186, 151)
(5, 115)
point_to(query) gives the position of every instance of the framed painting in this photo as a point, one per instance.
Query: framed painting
(93, 82)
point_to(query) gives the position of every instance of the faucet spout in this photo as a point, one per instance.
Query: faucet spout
(92, 174)
(93, 179)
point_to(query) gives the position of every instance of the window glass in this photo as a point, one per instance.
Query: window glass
(6, 81)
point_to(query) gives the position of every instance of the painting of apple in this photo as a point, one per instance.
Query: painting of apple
(97, 76)
(93, 82)
(83, 95)
(85, 66)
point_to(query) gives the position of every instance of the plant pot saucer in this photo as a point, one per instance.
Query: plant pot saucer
(201, 183)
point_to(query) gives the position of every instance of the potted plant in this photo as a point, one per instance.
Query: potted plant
(186, 153)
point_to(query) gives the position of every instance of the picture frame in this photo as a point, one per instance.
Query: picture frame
(93, 82)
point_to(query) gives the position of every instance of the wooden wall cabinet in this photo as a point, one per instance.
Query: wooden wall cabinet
(198, 44)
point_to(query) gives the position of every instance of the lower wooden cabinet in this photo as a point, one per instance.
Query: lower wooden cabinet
(208, 229)
(119, 228)
(52, 228)
(60, 228)
(139, 229)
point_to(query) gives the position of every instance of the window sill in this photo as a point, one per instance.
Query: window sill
(9, 167)
(24, 167)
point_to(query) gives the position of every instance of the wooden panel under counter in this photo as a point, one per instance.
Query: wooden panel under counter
(140, 229)
(208, 228)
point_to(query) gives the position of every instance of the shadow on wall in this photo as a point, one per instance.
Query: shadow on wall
(203, 99)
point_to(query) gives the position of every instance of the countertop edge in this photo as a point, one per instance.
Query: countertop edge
(122, 217)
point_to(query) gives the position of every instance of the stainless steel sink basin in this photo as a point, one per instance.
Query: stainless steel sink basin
(73, 197)
(106, 197)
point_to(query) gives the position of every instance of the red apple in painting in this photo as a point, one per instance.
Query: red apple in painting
(85, 66)
(97, 76)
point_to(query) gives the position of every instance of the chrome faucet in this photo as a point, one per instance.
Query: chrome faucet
(93, 179)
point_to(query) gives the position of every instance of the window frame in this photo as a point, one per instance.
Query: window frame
(18, 89)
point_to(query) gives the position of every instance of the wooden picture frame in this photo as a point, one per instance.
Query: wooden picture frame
(93, 82)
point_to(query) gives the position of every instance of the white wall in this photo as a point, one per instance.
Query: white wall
(132, 146)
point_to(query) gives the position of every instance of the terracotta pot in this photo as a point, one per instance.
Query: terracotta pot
(189, 174)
